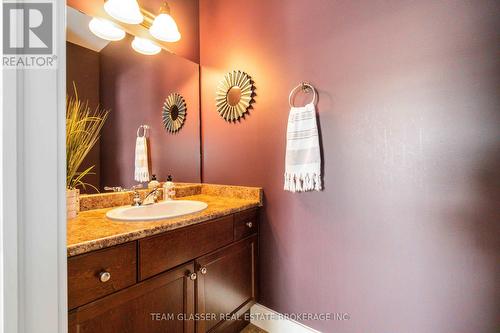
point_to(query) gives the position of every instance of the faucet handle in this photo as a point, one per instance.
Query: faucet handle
(121, 189)
(113, 188)
(136, 201)
(135, 187)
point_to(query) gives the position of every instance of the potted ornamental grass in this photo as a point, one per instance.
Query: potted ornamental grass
(83, 127)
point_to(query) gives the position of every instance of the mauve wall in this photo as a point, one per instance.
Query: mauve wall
(405, 235)
(82, 68)
(134, 87)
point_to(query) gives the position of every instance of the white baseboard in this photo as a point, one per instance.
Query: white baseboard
(273, 322)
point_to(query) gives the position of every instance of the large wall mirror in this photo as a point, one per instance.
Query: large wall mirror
(134, 88)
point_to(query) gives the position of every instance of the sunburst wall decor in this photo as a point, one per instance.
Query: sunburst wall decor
(234, 95)
(174, 112)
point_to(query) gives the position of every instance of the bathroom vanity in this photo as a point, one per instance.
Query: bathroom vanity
(150, 273)
(194, 273)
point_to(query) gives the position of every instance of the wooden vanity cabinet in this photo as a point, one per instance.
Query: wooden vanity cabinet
(246, 223)
(226, 282)
(217, 277)
(162, 252)
(143, 307)
(86, 271)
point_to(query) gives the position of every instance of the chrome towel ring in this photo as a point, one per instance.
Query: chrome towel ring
(307, 88)
(144, 130)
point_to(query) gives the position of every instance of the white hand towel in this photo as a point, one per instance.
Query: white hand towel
(303, 156)
(141, 160)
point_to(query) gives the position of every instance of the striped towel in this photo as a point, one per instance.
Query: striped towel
(303, 157)
(141, 160)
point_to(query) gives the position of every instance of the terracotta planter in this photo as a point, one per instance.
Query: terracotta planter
(72, 203)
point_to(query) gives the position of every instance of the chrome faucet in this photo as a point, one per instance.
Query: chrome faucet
(151, 197)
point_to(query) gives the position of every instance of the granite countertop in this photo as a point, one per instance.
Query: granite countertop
(92, 230)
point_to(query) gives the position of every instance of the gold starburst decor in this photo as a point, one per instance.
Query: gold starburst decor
(234, 95)
(174, 112)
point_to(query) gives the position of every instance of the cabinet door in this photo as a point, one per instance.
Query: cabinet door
(157, 305)
(226, 283)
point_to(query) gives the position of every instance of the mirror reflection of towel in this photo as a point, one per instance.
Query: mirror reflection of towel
(303, 156)
(141, 160)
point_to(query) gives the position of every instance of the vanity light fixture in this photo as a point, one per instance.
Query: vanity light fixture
(145, 46)
(106, 29)
(164, 27)
(126, 11)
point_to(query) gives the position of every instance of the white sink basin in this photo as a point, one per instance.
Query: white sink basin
(158, 211)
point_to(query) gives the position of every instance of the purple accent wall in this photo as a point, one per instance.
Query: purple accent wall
(134, 87)
(82, 68)
(404, 237)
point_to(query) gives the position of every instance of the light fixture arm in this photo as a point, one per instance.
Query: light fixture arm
(165, 8)
(150, 17)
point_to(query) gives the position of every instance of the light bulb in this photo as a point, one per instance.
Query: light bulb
(106, 29)
(165, 29)
(145, 46)
(126, 11)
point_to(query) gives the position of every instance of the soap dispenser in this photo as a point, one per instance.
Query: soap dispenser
(169, 189)
(153, 183)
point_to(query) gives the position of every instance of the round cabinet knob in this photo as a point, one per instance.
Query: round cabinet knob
(104, 276)
(203, 270)
(193, 276)
(249, 224)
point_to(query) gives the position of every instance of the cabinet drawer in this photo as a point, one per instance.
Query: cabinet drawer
(133, 309)
(85, 279)
(160, 253)
(246, 223)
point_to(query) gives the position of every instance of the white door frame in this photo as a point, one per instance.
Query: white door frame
(32, 195)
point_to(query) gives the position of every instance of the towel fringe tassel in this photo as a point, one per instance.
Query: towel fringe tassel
(141, 175)
(302, 182)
